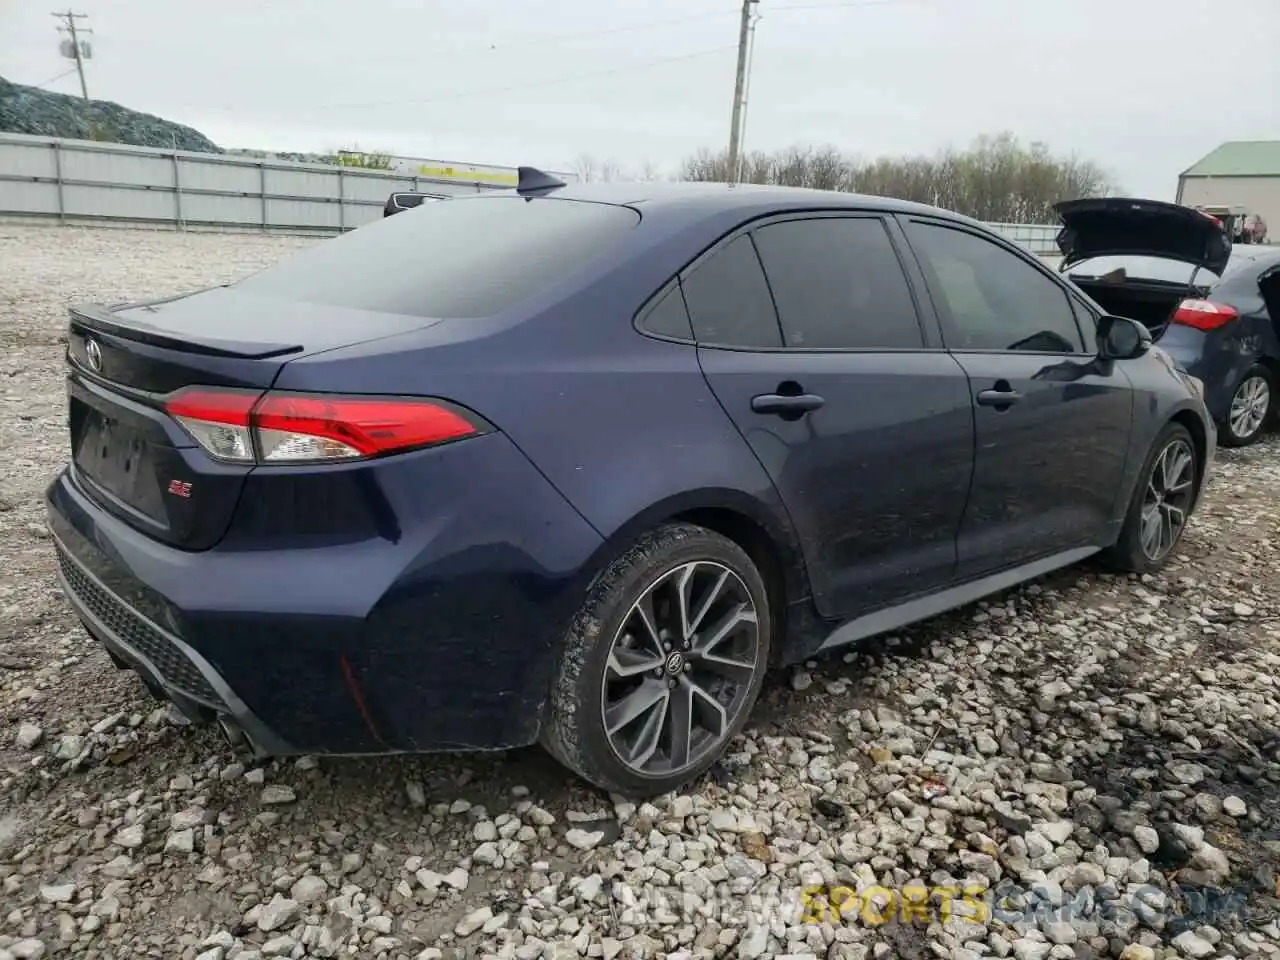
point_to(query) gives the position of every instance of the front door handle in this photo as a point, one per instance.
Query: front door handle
(999, 397)
(786, 406)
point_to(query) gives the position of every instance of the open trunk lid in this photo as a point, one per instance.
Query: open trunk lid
(124, 361)
(1114, 226)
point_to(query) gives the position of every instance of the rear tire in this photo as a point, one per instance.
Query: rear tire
(1161, 504)
(671, 645)
(1251, 408)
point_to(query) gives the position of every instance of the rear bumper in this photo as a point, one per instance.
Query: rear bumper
(441, 633)
(168, 665)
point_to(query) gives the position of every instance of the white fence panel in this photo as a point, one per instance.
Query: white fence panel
(85, 181)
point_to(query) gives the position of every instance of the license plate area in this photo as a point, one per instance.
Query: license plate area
(115, 457)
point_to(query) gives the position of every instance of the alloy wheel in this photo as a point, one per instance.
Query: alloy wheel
(1167, 502)
(1249, 406)
(680, 668)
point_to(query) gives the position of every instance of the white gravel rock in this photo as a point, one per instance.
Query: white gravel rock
(1235, 807)
(584, 839)
(278, 913)
(277, 794)
(29, 736)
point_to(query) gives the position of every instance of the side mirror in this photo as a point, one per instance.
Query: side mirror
(1120, 338)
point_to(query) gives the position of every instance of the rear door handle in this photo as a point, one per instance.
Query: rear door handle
(998, 398)
(784, 405)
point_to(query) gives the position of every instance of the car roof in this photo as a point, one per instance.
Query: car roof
(705, 198)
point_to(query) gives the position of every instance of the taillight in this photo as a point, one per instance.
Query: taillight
(243, 426)
(1204, 314)
(218, 420)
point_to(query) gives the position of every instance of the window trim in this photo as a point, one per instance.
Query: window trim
(926, 315)
(943, 311)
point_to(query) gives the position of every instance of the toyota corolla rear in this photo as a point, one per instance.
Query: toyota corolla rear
(287, 506)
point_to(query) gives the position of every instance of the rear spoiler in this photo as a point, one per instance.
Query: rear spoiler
(407, 201)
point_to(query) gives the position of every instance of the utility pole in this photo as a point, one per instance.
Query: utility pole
(77, 52)
(739, 89)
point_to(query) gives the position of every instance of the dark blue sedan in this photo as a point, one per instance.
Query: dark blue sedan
(578, 464)
(1212, 306)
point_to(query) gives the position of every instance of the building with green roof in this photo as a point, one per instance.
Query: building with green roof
(1242, 173)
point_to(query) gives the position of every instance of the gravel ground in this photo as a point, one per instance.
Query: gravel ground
(1093, 759)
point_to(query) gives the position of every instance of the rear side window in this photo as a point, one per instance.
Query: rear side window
(668, 316)
(838, 283)
(729, 301)
(461, 259)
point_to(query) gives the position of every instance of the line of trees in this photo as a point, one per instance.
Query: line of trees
(996, 178)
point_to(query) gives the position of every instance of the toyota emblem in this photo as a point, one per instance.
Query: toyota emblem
(94, 352)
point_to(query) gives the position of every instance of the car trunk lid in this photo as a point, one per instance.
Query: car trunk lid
(1111, 226)
(124, 361)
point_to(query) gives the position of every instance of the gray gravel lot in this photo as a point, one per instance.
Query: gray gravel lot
(1103, 752)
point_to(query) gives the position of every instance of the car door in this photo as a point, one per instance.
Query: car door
(1052, 421)
(809, 336)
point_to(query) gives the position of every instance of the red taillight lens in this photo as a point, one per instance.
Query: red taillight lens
(1203, 314)
(296, 427)
(247, 426)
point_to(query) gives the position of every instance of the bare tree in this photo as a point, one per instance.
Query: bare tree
(996, 178)
(586, 167)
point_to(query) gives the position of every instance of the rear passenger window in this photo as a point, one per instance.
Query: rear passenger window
(729, 301)
(668, 317)
(838, 284)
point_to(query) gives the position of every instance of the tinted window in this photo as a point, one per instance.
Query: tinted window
(729, 300)
(838, 283)
(1086, 319)
(465, 258)
(991, 298)
(668, 317)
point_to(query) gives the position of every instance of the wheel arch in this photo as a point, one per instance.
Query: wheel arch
(1195, 426)
(767, 538)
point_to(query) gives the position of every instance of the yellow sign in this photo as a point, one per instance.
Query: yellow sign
(470, 174)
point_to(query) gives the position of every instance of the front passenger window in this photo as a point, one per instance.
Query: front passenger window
(990, 298)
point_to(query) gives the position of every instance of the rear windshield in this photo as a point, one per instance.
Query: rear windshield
(471, 257)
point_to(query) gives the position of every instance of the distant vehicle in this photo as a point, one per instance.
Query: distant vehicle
(578, 464)
(407, 200)
(1211, 306)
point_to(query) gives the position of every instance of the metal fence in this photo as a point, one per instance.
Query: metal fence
(1037, 237)
(83, 181)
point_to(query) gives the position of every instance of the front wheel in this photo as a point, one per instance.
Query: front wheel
(1161, 504)
(1250, 408)
(662, 664)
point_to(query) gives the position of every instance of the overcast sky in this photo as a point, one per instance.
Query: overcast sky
(1143, 87)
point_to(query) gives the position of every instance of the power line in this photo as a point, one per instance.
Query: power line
(628, 28)
(78, 50)
(65, 73)
(849, 5)
(552, 81)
